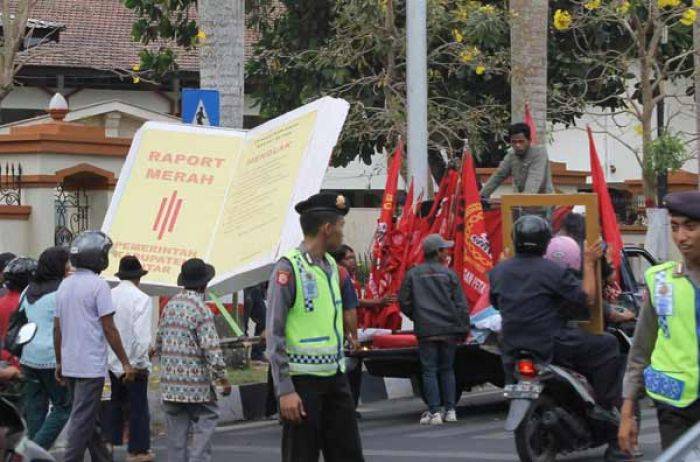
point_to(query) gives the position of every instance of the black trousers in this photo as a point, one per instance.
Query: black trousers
(330, 425)
(132, 397)
(597, 357)
(674, 421)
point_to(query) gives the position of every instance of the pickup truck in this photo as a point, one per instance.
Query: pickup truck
(478, 364)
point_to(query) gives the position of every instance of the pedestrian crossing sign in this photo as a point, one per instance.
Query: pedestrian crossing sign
(200, 107)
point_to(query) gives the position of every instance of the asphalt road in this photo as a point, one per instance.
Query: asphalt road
(390, 432)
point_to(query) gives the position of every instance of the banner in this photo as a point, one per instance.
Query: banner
(476, 253)
(222, 195)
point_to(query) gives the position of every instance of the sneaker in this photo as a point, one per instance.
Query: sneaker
(425, 418)
(436, 419)
(450, 416)
(141, 457)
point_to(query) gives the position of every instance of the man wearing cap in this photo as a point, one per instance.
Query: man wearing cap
(431, 295)
(664, 355)
(133, 318)
(190, 360)
(305, 340)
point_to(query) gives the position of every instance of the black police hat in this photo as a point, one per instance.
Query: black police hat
(324, 202)
(685, 203)
(130, 268)
(195, 274)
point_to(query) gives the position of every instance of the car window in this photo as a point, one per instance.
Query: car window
(639, 264)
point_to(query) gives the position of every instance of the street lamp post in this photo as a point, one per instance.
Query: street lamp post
(417, 94)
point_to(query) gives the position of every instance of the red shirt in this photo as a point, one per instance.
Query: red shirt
(8, 305)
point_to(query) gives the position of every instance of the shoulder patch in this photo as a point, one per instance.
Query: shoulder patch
(283, 277)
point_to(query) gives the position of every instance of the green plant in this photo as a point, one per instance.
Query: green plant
(667, 153)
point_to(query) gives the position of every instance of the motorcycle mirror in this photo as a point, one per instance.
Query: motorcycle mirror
(26, 333)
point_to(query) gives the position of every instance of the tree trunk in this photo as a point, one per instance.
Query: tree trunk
(14, 24)
(528, 41)
(223, 56)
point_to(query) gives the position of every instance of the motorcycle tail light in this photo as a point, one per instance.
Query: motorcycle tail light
(526, 368)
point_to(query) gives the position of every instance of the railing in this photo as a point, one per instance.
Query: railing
(72, 217)
(11, 185)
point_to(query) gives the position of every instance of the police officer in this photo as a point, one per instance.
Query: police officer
(664, 355)
(305, 340)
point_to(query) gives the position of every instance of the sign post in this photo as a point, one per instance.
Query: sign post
(201, 107)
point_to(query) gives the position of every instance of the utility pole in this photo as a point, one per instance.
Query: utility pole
(417, 94)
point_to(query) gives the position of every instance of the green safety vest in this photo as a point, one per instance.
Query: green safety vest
(674, 373)
(314, 329)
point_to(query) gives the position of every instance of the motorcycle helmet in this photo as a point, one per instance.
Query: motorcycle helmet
(90, 250)
(531, 235)
(565, 252)
(18, 272)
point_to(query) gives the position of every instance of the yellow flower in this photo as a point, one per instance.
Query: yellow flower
(137, 79)
(562, 20)
(669, 3)
(462, 14)
(487, 9)
(201, 36)
(624, 7)
(592, 5)
(480, 69)
(696, 4)
(639, 130)
(136, 67)
(688, 17)
(468, 54)
(457, 35)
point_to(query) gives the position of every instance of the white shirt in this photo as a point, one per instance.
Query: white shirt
(133, 318)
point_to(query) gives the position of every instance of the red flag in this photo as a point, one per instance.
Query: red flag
(377, 283)
(531, 123)
(384, 225)
(476, 258)
(608, 218)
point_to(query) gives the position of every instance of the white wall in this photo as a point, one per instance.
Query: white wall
(571, 145)
(35, 98)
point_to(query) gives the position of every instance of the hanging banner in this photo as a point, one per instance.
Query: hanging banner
(222, 195)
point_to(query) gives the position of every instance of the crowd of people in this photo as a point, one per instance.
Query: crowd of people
(88, 332)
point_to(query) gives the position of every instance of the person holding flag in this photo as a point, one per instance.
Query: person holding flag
(526, 163)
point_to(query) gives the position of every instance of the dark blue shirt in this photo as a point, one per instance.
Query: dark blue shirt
(536, 298)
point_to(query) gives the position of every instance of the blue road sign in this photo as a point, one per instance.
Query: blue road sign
(200, 107)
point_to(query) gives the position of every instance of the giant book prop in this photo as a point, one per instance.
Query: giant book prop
(226, 196)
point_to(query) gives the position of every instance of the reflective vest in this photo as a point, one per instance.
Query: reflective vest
(314, 329)
(674, 373)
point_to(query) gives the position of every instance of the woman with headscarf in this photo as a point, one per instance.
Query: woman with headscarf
(38, 358)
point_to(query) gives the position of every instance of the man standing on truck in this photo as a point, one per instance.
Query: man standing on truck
(431, 295)
(305, 341)
(664, 354)
(527, 164)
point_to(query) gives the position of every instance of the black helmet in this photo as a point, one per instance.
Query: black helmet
(18, 272)
(90, 250)
(531, 234)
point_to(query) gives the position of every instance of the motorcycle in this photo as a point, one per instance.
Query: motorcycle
(553, 409)
(14, 444)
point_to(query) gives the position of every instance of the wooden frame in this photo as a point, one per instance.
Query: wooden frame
(590, 201)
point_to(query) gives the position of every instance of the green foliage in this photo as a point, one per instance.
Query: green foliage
(666, 153)
(162, 24)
